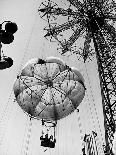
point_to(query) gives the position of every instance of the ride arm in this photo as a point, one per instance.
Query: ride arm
(76, 3)
(67, 45)
(57, 29)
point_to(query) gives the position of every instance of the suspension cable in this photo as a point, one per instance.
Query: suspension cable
(94, 106)
(27, 138)
(27, 45)
(5, 117)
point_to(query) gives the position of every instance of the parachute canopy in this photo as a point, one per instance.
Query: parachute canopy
(49, 89)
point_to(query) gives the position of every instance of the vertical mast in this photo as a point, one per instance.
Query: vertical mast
(107, 75)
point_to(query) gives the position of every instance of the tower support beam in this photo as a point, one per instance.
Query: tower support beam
(107, 75)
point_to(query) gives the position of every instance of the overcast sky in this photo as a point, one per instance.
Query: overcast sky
(28, 43)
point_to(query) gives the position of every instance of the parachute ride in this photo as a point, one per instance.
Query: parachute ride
(49, 90)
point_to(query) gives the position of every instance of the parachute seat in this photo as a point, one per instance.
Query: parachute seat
(52, 144)
(47, 143)
(6, 62)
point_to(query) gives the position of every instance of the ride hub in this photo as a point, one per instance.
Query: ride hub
(94, 22)
(49, 83)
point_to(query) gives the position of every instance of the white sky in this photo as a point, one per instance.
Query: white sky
(29, 42)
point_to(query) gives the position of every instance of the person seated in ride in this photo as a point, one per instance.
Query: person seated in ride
(48, 142)
(52, 142)
(45, 141)
(41, 138)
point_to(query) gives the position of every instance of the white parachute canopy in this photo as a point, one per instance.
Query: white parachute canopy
(49, 89)
(114, 144)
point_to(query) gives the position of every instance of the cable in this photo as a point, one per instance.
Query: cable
(5, 116)
(22, 151)
(89, 116)
(81, 129)
(84, 118)
(27, 141)
(94, 106)
(27, 46)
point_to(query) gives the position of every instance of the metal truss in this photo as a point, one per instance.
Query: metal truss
(107, 74)
(90, 144)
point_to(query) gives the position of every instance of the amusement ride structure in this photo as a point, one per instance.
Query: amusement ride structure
(96, 18)
(47, 89)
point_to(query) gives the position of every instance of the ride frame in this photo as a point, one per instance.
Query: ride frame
(106, 66)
